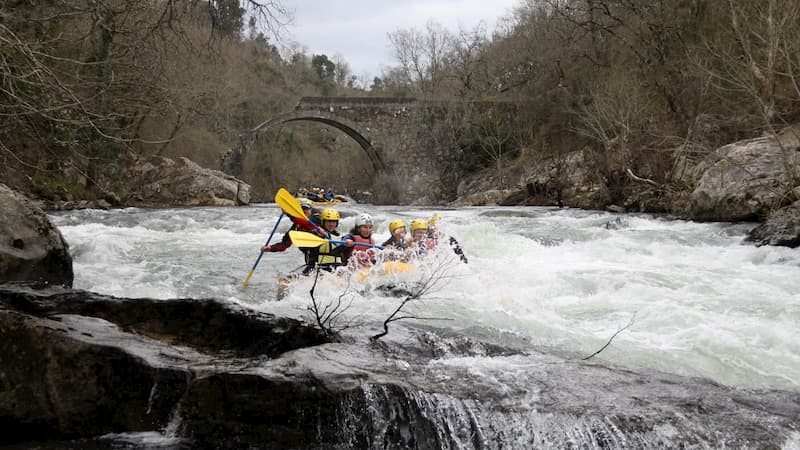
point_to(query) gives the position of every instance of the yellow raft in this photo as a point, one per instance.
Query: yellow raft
(333, 202)
(384, 269)
(379, 276)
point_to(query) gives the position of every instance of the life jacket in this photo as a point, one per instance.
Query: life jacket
(362, 256)
(326, 254)
(397, 244)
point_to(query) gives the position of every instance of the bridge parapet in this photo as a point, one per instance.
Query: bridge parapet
(355, 101)
(411, 143)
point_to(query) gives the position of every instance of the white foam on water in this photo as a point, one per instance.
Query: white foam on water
(696, 299)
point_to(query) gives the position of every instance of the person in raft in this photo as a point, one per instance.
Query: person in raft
(397, 240)
(435, 235)
(396, 247)
(327, 256)
(297, 225)
(358, 256)
(418, 242)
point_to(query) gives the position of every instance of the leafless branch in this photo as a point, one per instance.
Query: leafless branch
(630, 323)
(426, 286)
(329, 316)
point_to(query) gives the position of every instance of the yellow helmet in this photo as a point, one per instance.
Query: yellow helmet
(395, 224)
(329, 214)
(304, 202)
(418, 224)
(434, 220)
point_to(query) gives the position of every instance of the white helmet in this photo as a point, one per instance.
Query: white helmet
(363, 219)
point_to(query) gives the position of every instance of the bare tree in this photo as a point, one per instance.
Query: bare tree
(341, 70)
(427, 284)
(271, 15)
(616, 115)
(469, 66)
(423, 55)
(757, 60)
(82, 77)
(751, 63)
(496, 135)
(330, 316)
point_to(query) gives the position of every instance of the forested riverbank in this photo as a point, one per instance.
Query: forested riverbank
(618, 106)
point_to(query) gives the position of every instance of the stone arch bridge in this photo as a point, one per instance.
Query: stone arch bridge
(411, 144)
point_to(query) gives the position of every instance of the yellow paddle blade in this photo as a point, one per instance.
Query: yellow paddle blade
(289, 204)
(303, 239)
(247, 278)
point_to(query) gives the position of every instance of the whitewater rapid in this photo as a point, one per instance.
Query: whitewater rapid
(690, 298)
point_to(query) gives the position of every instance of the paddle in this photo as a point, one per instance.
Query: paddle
(292, 207)
(289, 204)
(303, 239)
(250, 274)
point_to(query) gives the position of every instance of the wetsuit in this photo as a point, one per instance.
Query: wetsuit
(286, 241)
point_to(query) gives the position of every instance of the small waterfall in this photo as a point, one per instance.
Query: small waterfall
(172, 430)
(153, 392)
(387, 416)
(173, 427)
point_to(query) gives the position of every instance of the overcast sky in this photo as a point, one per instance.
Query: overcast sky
(357, 29)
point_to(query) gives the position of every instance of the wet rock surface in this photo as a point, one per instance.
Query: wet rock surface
(745, 180)
(181, 182)
(782, 228)
(75, 366)
(31, 248)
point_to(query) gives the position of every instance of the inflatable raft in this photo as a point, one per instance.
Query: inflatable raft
(383, 277)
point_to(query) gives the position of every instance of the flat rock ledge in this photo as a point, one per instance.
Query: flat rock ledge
(84, 370)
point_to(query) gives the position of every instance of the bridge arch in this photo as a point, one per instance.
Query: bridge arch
(347, 127)
(413, 145)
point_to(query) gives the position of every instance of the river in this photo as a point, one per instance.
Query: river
(687, 298)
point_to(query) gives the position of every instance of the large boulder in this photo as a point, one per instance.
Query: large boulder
(747, 179)
(166, 182)
(77, 365)
(568, 180)
(781, 228)
(31, 248)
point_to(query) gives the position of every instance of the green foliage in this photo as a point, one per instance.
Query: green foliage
(323, 67)
(55, 186)
(227, 16)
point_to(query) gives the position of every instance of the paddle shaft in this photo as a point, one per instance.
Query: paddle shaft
(303, 239)
(362, 244)
(260, 254)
